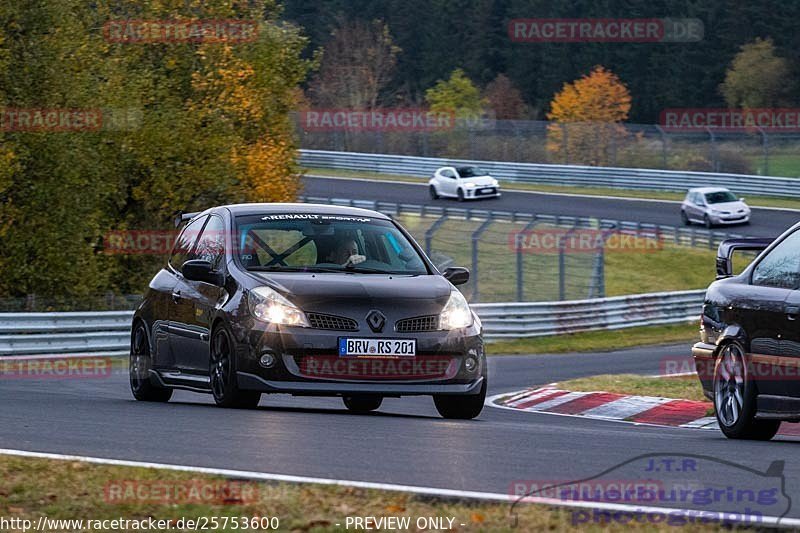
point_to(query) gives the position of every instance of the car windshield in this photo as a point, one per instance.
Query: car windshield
(471, 172)
(312, 242)
(720, 197)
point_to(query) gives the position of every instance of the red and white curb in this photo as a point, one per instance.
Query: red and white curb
(632, 409)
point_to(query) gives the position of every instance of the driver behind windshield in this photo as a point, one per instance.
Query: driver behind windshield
(344, 253)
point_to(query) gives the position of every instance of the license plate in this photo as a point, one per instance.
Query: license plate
(353, 347)
(486, 191)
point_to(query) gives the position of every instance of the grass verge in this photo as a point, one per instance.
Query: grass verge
(31, 488)
(597, 341)
(678, 387)
(754, 201)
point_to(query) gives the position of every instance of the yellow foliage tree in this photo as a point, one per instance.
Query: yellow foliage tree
(268, 171)
(585, 118)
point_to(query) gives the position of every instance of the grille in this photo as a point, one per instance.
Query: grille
(319, 321)
(418, 323)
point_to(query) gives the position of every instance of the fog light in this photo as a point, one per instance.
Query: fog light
(470, 364)
(267, 360)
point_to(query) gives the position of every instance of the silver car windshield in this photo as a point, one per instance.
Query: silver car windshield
(720, 197)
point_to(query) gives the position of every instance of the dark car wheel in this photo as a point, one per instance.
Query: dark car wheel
(707, 222)
(222, 372)
(139, 365)
(684, 218)
(735, 397)
(460, 194)
(362, 403)
(434, 194)
(461, 406)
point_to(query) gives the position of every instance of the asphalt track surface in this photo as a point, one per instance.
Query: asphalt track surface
(405, 442)
(764, 222)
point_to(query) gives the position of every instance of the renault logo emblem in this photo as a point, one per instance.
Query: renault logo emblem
(376, 321)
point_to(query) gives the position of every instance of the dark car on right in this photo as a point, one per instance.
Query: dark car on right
(748, 357)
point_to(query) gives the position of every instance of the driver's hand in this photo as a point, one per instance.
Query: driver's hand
(355, 259)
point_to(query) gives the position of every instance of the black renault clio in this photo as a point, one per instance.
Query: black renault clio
(308, 300)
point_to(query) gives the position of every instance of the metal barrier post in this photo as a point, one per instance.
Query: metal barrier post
(430, 231)
(476, 235)
(520, 269)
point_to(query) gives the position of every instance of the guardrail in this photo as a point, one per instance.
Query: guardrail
(62, 333)
(518, 320)
(570, 175)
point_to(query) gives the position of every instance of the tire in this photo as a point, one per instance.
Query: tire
(685, 219)
(707, 222)
(139, 364)
(735, 397)
(222, 373)
(462, 406)
(434, 194)
(362, 403)
(460, 194)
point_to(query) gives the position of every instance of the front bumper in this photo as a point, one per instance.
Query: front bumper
(306, 362)
(249, 381)
(475, 193)
(729, 219)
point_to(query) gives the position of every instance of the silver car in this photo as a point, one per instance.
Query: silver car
(711, 206)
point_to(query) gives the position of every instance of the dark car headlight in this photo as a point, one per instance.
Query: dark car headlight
(456, 312)
(270, 306)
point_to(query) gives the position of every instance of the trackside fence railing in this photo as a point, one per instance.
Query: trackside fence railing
(534, 319)
(563, 175)
(504, 268)
(91, 332)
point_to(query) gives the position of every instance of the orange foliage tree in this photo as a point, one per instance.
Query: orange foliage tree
(585, 118)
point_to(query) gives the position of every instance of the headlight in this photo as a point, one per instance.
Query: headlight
(456, 312)
(469, 185)
(495, 183)
(268, 305)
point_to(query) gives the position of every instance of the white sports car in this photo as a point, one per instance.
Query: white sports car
(464, 183)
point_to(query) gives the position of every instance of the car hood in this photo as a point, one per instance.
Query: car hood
(479, 180)
(729, 206)
(354, 295)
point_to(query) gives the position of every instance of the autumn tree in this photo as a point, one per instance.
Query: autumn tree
(213, 126)
(504, 99)
(586, 118)
(357, 63)
(757, 77)
(457, 94)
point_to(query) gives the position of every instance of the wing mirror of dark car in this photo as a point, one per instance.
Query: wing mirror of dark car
(456, 275)
(200, 270)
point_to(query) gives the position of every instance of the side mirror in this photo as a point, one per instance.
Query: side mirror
(741, 199)
(200, 270)
(456, 275)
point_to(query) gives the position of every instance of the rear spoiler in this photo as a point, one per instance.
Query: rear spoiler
(728, 246)
(183, 217)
